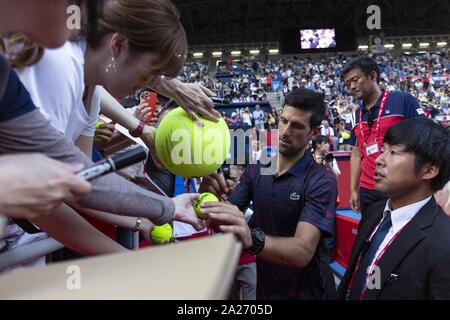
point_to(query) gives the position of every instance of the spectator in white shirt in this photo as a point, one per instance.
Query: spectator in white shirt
(246, 119)
(258, 116)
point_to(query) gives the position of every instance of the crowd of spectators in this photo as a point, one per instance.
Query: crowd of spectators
(425, 76)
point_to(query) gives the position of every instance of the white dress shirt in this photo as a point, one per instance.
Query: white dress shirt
(400, 218)
(325, 131)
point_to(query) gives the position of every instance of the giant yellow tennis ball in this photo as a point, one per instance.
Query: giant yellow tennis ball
(204, 197)
(188, 150)
(161, 234)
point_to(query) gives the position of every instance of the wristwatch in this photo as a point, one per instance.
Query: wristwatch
(259, 240)
(138, 131)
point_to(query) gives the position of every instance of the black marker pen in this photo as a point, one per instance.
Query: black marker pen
(114, 163)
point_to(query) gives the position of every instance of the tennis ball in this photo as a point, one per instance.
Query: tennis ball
(188, 150)
(161, 234)
(345, 135)
(204, 197)
(98, 124)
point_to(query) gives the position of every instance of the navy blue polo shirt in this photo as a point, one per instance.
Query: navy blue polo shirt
(306, 193)
(15, 100)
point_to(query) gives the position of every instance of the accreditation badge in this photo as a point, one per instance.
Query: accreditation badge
(372, 149)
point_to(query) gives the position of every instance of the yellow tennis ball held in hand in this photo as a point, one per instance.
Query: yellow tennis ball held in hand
(97, 127)
(204, 197)
(188, 150)
(345, 135)
(98, 124)
(161, 234)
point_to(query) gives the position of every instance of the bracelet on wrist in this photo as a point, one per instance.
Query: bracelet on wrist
(138, 131)
(137, 225)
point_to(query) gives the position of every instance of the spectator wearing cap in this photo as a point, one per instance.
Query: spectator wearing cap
(235, 121)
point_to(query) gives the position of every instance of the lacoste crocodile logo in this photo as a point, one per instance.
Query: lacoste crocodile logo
(295, 196)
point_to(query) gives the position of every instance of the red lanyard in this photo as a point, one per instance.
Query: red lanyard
(377, 260)
(380, 112)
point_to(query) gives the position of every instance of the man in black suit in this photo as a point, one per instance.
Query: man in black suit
(402, 250)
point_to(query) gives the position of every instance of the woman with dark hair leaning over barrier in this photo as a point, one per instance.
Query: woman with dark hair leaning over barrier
(143, 61)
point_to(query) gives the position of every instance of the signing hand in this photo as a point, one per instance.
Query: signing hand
(229, 219)
(217, 185)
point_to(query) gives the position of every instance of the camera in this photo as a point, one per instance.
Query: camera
(328, 157)
(225, 170)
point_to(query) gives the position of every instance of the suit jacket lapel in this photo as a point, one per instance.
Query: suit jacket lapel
(407, 239)
(363, 234)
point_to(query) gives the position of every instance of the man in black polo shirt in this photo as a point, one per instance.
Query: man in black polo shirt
(379, 110)
(294, 209)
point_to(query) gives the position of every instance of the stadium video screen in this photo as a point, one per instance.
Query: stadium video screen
(317, 39)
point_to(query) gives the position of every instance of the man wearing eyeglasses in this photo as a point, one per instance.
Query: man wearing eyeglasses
(379, 110)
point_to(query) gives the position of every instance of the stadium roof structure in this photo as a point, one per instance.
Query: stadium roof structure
(240, 21)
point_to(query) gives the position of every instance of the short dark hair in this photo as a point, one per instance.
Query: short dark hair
(429, 142)
(307, 100)
(366, 64)
(319, 140)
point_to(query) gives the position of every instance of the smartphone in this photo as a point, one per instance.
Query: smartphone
(151, 103)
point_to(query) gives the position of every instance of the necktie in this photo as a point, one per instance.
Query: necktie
(360, 277)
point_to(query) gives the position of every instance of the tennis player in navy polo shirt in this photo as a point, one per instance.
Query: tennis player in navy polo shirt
(294, 209)
(379, 110)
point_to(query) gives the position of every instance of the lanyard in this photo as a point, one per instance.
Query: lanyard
(375, 264)
(377, 260)
(329, 137)
(380, 112)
